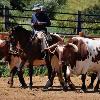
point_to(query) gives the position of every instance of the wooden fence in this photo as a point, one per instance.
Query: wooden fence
(76, 29)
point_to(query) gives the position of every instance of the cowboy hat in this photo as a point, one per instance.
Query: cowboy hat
(43, 8)
(36, 7)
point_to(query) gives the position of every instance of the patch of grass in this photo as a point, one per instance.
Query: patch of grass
(4, 71)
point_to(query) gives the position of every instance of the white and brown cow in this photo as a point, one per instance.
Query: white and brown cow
(83, 55)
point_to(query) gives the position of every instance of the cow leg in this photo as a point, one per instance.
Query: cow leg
(20, 75)
(64, 68)
(93, 77)
(62, 82)
(98, 82)
(12, 73)
(97, 86)
(30, 74)
(71, 85)
(67, 77)
(83, 82)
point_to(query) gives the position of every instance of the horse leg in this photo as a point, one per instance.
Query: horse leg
(83, 82)
(50, 80)
(12, 73)
(51, 74)
(93, 77)
(20, 75)
(30, 74)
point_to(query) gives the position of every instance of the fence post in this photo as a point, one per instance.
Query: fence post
(6, 17)
(79, 29)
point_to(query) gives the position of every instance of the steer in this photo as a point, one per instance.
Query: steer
(83, 55)
(57, 50)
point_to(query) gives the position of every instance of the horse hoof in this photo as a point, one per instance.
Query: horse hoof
(45, 89)
(65, 87)
(10, 84)
(23, 86)
(48, 84)
(82, 91)
(30, 87)
(83, 88)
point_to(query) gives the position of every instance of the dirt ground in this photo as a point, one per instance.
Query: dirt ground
(55, 93)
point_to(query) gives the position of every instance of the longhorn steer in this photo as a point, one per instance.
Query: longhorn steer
(57, 50)
(83, 55)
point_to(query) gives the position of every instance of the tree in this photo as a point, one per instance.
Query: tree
(17, 4)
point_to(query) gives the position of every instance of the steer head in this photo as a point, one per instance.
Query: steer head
(69, 54)
(83, 52)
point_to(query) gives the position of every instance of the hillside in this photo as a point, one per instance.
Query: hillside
(75, 5)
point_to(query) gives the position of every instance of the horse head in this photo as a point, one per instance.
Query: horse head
(19, 34)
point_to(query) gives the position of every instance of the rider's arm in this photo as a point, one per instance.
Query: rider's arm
(46, 20)
(33, 20)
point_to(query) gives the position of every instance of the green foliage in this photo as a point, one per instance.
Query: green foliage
(40, 71)
(92, 10)
(17, 4)
(36, 71)
(4, 71)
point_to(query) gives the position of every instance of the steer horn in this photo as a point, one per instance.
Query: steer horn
(75, 47)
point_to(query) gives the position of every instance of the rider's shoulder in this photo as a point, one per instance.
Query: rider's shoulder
(33, 14)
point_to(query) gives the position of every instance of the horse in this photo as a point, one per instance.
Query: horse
(31, 51)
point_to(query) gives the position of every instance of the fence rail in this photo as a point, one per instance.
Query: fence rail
(78, 21)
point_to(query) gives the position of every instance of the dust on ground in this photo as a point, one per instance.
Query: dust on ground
(55, 93)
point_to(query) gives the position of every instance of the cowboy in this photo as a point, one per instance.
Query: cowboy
(39, 20)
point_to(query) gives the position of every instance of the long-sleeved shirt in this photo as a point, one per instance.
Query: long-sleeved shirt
(40, 17)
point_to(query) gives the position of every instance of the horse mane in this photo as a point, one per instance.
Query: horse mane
(22, 31)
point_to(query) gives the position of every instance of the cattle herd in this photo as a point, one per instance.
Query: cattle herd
(79, 55)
